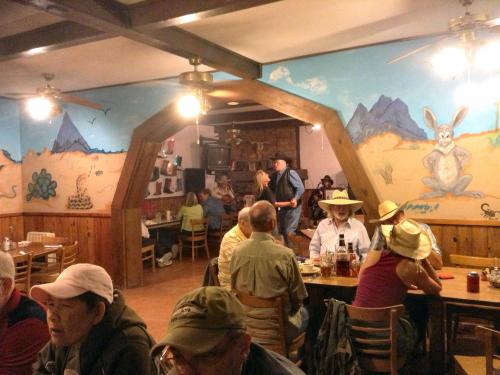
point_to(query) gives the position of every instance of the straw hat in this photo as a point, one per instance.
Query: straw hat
(340, 198)
(407, 239)
(386, 210)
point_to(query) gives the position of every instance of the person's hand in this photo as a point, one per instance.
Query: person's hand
(413, 287)
(293, 203)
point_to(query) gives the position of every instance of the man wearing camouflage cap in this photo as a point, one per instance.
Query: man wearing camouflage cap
(207, 335)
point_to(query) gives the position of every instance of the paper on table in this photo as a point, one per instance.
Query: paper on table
(52, 246)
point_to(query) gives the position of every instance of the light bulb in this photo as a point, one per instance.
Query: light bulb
(450, 62)
(189, 106)
(316, 127)
(488, 57)
(39, 107)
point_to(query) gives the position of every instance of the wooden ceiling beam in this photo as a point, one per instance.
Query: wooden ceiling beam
(112, 20)
(161, 14)
(48, 38)
(236, 117)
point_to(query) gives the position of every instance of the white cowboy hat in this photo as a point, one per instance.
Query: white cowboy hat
(386, 210)
(407, 239)
(340, 198)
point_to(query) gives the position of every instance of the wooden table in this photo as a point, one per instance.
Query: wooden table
(453, 290)
(37, 248)
(171, 225)
(309, 232)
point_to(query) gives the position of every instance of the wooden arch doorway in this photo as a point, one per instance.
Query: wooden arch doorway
(146, 142)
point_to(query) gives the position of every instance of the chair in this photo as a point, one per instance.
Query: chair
(148, 253)
(269, 330)
(38, 236)
(226, 223)
(198, 238)
(489, 364)
(65, 255)
(23, 272)
(300, 244)
(462, 318)
(374, 336)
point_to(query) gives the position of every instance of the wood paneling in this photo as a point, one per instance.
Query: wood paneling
(12, 223)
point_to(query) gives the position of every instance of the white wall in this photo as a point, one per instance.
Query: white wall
(185, 144)
(317, 156)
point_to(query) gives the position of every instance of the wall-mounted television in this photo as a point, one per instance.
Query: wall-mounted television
(216, 157)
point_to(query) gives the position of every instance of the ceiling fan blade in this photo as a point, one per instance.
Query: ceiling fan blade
(408, 54)
(494, 22)
(18, 95)
(80, 101)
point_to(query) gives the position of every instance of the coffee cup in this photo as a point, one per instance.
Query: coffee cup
(308, 268)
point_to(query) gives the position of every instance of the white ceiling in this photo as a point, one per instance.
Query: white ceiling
(266, 33)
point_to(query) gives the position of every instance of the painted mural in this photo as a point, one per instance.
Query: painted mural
(427, 141)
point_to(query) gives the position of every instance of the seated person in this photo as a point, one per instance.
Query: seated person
(212, 209)
(23, 324)
(340, 210)
(237, 234)
(265, 269)
(190, 210)
(387, 275)
(92, 330)
(207, 335)
(162, 254)
(224, 193)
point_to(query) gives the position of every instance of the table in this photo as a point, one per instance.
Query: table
(453, 290)
(172, 225)
(36, 248)
(309, 232)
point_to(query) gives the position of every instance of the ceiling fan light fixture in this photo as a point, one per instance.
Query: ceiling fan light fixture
(189, 105)
(40, 107)
(450, 62)
(488, 57)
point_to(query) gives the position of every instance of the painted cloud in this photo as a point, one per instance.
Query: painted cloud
(315, 84)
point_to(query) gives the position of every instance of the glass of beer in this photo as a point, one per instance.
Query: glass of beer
(326, 265)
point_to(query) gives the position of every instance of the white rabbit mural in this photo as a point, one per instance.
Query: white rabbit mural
(447, 160)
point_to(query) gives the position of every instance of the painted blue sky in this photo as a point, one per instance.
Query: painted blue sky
(9, 125)
(341, 80)
(130, 106)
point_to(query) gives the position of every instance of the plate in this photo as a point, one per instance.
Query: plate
(308, 273)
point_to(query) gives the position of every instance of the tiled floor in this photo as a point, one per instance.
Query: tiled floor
(155, 300)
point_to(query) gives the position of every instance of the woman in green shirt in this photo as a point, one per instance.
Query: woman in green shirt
(190, 210)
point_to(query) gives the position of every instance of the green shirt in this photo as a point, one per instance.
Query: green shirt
(188, 213)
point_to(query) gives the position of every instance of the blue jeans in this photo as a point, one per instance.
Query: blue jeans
(288, 221)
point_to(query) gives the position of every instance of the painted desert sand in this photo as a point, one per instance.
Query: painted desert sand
(405, 158)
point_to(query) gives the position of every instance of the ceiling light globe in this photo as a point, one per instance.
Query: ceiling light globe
(39, 108)
(450, 62)
(488, 57)
(189, 106)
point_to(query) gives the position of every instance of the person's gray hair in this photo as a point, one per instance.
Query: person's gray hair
(7, 268)
(261, 213)
(244, 215)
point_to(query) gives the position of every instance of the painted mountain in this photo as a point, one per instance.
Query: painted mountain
(69, 138)
(386, 115)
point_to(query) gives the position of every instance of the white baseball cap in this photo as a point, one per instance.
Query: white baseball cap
(74, 281)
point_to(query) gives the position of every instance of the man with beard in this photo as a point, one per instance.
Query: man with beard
(340, 210)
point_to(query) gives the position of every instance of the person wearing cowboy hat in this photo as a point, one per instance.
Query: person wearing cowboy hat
(402, 265)
(340, 210)
(391, 213)
(287, 187)
(224, 192)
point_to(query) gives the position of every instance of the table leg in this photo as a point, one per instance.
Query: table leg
(436, 335)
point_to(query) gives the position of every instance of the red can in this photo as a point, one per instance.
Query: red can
(473, 282)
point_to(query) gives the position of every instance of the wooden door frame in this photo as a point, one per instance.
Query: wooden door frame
(146, 142)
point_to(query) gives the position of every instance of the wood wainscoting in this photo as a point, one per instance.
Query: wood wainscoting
(12, 226)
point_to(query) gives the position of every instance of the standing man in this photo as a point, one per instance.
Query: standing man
(340, 210)
(23, 324)
(265, 269)
(92, 330)
(287, 186)
(237, 234)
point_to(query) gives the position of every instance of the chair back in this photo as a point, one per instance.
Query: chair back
(300, 244)
(491, 339)
(268, 330)
(38, 236)
(68, 255)
(374, 336)
(55, 241)
(197, 238)
(199, 235)
(22, 277)
(469, 261)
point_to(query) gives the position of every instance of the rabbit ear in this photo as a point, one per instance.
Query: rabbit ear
(459, 116)
(429, 118)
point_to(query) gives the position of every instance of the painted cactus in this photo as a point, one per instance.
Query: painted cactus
(42, 186)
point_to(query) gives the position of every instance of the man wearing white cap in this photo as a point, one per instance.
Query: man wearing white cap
(340, 210)
(91, 329)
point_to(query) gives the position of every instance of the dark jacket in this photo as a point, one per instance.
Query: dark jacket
(118, 345)
(282, 188)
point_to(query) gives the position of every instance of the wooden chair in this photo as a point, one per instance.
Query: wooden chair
(65, 255)
(38, 236)
(197, 239)
(270, 331)
(489, 364)
(22, 277)
(226, 223)
(148, 253)
(374, 336)
(300, 244)
(461, 319)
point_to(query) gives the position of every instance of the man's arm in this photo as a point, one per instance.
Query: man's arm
(435, 258)
(315, 245)
(423, 276)
(297, 184)
(296, 288)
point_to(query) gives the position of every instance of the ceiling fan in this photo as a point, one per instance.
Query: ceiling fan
(465, 28)
(55, 95)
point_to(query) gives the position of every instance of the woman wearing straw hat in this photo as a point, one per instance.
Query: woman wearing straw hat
(340, 210)
(401, 266)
